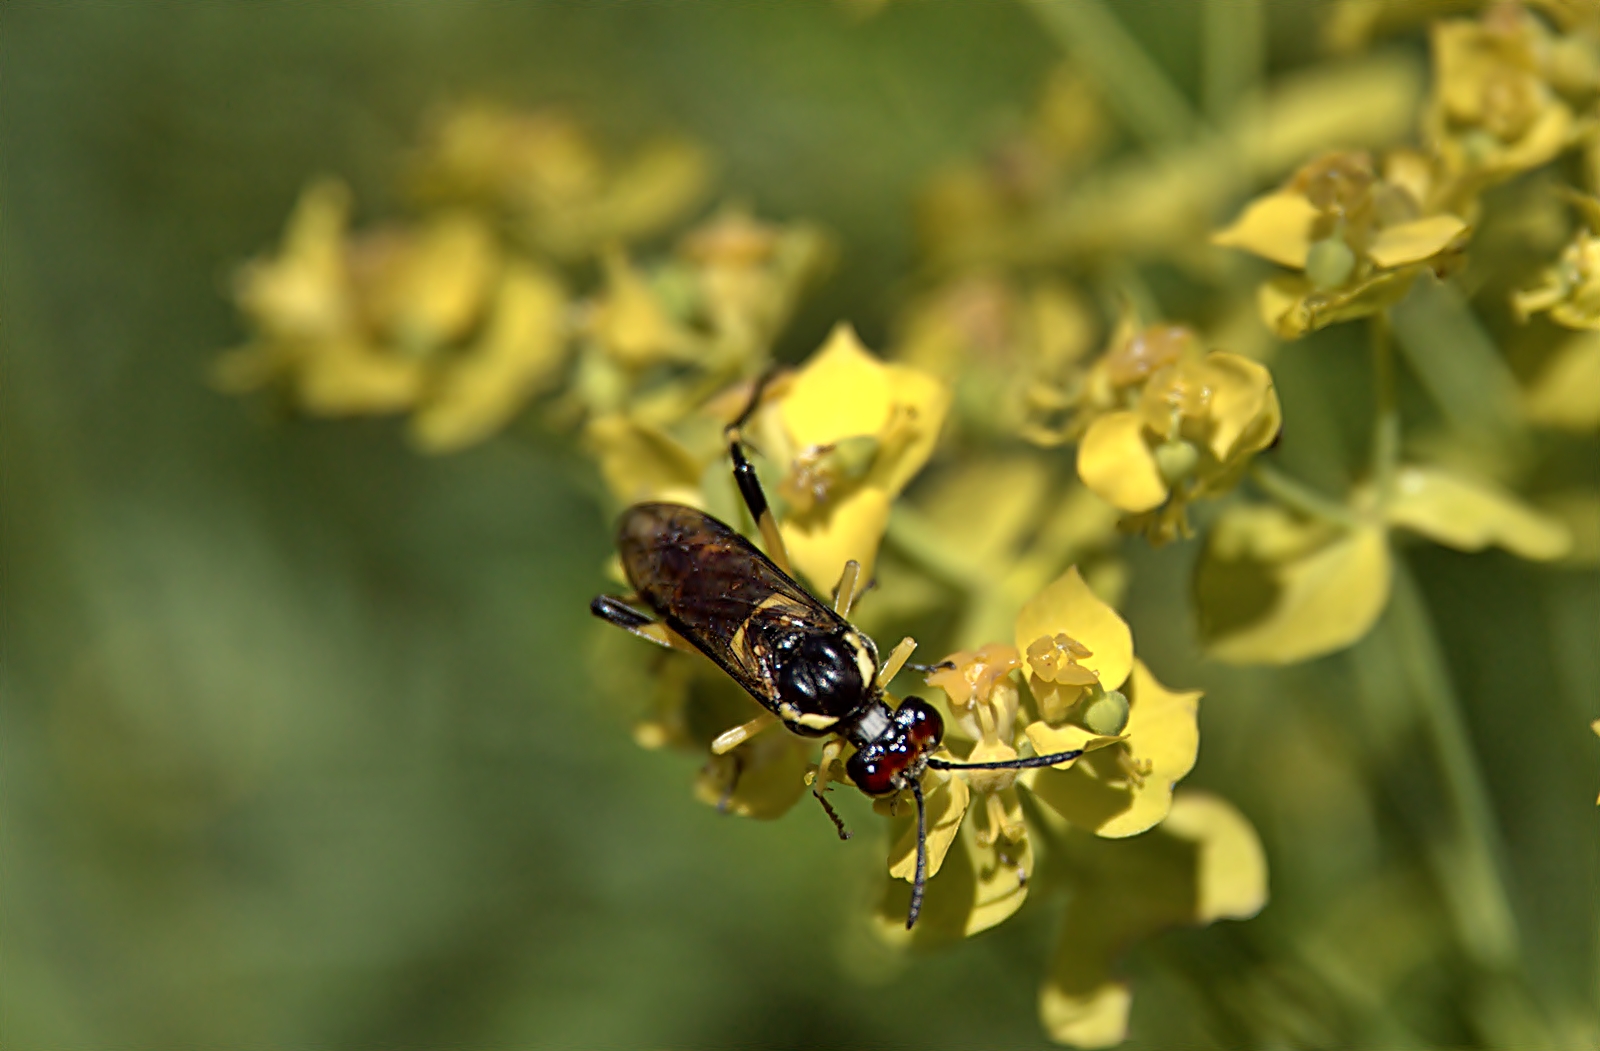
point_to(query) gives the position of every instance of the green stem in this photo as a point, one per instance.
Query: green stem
(1386, 422)
(1473, 873)
(1130, 81)
(1233, 54)
(1301, 497)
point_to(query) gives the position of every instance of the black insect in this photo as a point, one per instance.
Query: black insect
(706, 585)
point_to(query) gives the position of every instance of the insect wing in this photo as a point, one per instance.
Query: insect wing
(713, 587)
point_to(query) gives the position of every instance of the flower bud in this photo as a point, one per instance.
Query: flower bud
(1107, 714)
(1330, 263)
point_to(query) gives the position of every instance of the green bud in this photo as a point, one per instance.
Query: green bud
(1330, 263)
(1107, 714)
(1176, 460)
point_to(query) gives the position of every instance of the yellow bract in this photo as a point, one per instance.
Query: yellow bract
(1566, 393)
(1195, 423)
(946, 805)
(1357, 237)
(1274, 589)
(1068, 607)
(1469, 515)
(1125, 786)
(1204, 863)
(843, 394)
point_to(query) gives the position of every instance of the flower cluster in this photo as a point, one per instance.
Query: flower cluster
(1045, 401)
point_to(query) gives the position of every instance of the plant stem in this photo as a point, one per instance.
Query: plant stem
(1386, 421)
(1130, 81)
(1301, 497)
(1473, 871)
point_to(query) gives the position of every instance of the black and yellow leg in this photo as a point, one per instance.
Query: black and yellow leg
(744, 474)
(616, 611)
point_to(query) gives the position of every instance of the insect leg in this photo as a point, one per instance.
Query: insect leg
(616, 611)
(844, 595)
(921, 883)
(728, 740)
(897, 659)
(830, 755)
(744, 475)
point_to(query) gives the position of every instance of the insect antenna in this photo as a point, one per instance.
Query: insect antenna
(1027, 763)
(922, 856)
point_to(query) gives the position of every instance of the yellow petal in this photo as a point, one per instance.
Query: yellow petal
(840, 392)
(819, 546)
(1566, 393)
(1001, 870)
(1161, 738)
(1241, 397)
(1275, 227)
(1469, 515)
(767, 774)
(346, 378)
(921, 402)
(1414, 241)
(1274, 591)
(1232, 866)
(640, 462)
(519, 354)
(1115, 462)
(1048, 740)
(630, 322)
(1203, 863)
(1067, 606)
(1277, 299)
(437, 288)
(947, 805)
(304, 292)
(1088, 1018)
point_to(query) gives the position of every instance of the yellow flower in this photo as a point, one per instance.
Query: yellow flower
(1493, 113)
(1185, 427)
(1566, 392)
(849, 432)
(1087, 692)
(1358, 239)
(1203, 863)
(1569, 292)
(1011, 355)
(1276, 588)
(542, 171)
(436, 319)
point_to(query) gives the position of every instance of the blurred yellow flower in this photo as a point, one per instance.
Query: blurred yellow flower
(1358, 239)
(1203, 863)
(1011, 354)
(545, 175)
(1566, 392)
(1184, 426)
(436, 319)
(1493, 112)
(1273, 587)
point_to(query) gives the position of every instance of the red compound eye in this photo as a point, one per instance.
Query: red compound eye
(875, 769)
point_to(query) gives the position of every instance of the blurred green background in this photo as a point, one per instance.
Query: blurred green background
(299, 747)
